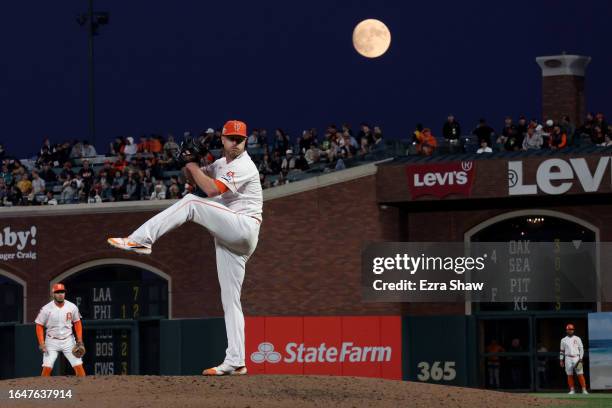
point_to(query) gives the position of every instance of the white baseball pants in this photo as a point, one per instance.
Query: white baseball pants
(571, 365)
(236, 238)
(55, 346)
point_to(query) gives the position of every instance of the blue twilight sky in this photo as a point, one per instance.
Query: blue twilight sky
(170, 66)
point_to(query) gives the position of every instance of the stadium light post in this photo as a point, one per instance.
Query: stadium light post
(92, 20)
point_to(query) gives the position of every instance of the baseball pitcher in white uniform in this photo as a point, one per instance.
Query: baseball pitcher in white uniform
(571, 355)
(54, 331)
(232, 213)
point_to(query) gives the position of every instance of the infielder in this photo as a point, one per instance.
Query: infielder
(571, 355)
(58, 317)
(232, 214)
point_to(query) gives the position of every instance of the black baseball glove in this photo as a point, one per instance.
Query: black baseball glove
(191, 150)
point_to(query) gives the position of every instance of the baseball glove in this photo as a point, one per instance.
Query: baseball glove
(191, 150)
(78, 350)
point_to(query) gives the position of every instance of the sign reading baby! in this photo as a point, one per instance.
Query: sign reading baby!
(18, 245)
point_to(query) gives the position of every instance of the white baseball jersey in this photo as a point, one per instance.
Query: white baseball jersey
(571, 347)
(242, 179)
(58, 320)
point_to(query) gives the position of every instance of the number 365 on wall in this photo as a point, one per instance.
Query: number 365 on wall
(438, 371)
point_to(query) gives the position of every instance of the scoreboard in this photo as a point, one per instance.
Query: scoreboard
(116, 302)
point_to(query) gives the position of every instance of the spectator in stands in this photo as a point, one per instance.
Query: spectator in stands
(6, 175)
(159, 192)
(346, 128)
(305, 141)
(38, 187)
(427, 143)
(66, 173)
(378, 139)
(61, 154)
(2, 152)
(521, 128)
(132, 187)
(281, 141)
(47, 173)
(364, 148)
(44, 156)
(549, 126)
(14, 196)
(484, 132)
(87, 175)
(94, 195)
(598, 136)
(327, 148)
(77, 150)
(121, 163)
(288, 163)
(253, 139)
(601, 122)
(116, 147)
(89, 150)
(263, 138)
(171, 147)
(69, 191)
(18, 169)
(365, 132)
(130, 148)
(349, 146)
(174, 191)
(533, 139)
(3, 191)
(216, 141)
(24, 184)
(313, 154)
(265, 166)
(484, 148)
(452, 133)
(558, 139)
(156, 143)
(146, 189)
(607, 140)
(50, 199)
(143, 145)
(568, 128)
(118, 186)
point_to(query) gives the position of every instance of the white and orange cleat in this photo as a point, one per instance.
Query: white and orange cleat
(225, 369)
(127, 245)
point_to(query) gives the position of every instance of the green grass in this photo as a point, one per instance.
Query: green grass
(597, 400)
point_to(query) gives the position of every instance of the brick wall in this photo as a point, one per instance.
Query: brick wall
(563, 95)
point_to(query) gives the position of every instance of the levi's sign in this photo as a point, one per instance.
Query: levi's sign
(558, 176)
(441, 179)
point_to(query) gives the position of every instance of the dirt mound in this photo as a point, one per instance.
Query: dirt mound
(258, 391)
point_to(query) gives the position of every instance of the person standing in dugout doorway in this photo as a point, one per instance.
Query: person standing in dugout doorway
(232, 213)
(571, 355)
(58, 317)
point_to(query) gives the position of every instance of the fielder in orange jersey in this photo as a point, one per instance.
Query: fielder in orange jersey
(57, 318)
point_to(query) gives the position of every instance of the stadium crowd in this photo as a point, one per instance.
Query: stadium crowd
(73, 172)
(515, 136)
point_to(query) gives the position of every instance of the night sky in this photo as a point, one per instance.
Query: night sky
(169, 66)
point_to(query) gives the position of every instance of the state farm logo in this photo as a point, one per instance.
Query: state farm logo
(558, 176)
(441, 179)
(265, 352)
(300, 353)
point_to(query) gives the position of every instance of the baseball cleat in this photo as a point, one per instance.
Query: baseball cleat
(127, 245)
(572, 392)
(585, 392)
(225, 369)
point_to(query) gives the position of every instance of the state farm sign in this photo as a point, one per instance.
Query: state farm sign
(558, 176)
(441, 179)
(368, 346)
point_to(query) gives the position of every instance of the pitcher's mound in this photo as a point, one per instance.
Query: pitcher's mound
(258, 391)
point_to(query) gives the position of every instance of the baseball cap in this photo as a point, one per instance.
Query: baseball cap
(58, 287)
(234, 128)
(569, 327)
(210, 130)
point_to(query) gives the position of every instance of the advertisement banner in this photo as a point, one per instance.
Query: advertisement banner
(600, 350)
(441, 180)
(364, 346)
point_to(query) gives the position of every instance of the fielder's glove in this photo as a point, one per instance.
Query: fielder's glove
(78, 350)
(191, 150)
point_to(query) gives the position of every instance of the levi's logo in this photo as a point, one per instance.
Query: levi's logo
(441, 179)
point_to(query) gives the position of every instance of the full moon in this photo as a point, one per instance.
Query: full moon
(371, 38)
